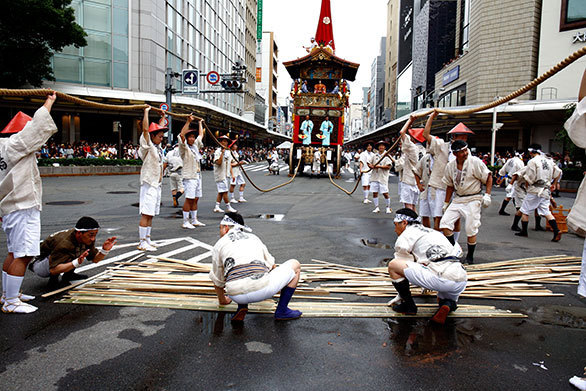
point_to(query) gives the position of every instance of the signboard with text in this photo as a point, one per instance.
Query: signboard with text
(451, 75)
(190, 81)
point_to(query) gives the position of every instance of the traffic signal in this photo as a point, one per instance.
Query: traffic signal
(231, 84)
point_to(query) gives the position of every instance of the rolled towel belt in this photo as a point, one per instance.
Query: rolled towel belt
(244, 271)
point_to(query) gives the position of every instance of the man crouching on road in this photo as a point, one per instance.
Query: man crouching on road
(64, 251)
(427, 259)
(244, 271)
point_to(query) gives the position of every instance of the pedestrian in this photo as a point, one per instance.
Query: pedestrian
(151, 178)
(363, 161)
(379, 179)
(189, 148)
(465, 177)
(221, 169)
(21, 193)
(424, 257)
(237, 179)
(316, 167)
(244, 271)
(175, 166)
(539, 175)
(412, 150)
(512, 165)
(65, 251)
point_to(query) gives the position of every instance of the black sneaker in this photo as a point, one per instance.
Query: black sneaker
(515, 228)
(407, 308)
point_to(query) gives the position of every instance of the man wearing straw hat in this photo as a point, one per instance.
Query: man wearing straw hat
(244, 271)
(464, 177)
(424, 257)
(412, 150)
(237, 179)
(221, 173)
(65, 251)
(379, 177)
(21, 200)
(189, 147)
(151, 178)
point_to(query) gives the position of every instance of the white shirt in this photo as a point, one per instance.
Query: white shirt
(469, 180)
(412, 153)
(364, 158)
(539, 174)
(221, 171)
(440, 150)
(380, 175)
(512, 165)
(151, 171)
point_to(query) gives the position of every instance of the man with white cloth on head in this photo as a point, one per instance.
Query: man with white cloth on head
(512, 165)
(424, 257)
(539, 174)
(244, 271)
(21, 194)
(465, 177)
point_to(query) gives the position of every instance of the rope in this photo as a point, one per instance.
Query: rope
(235, 157)
(529, 86)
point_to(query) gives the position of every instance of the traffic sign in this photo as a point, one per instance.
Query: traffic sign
(164, 107)
(213, 77)
(165, 122)
(190, 81)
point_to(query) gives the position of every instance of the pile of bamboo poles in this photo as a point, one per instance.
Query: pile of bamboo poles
(173, 283)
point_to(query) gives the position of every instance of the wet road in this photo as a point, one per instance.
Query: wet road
(76, 347)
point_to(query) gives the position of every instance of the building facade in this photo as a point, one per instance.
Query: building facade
(391, 56)
(377, 88)
(267, 87)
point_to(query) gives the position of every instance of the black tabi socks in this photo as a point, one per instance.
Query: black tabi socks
(470, 256)
(515, 226)
(538, 224)
(524, 227)
(503, 206)
(557, 235)
(451, 239)
(408, 305)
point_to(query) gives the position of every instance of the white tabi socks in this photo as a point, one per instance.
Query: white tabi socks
(375, 201)
(22, 296)
(186, 216)
(13, 304)
(365, 192)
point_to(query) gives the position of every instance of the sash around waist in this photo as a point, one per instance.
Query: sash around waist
(254, 270)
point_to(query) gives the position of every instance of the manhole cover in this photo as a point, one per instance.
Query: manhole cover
(64, 203)
(268, 216)
(122, 192)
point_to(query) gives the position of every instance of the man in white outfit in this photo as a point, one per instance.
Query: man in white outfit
(363, 161)
(189, 147)
(379, 179)
(221, 171)
(237, 179)
(21, 201)
(412, 150)
(512, 165)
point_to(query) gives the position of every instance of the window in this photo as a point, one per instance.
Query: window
(465, 32)
(573, 15)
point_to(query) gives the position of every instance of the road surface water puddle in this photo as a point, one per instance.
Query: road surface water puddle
(573, 317)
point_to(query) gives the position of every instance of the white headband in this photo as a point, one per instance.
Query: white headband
(229, 222)
(86, 229)
(401, 217)
(534, 150)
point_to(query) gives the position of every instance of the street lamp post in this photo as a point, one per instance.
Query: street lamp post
(495, 127)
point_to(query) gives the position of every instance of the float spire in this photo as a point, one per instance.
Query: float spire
(325, 33)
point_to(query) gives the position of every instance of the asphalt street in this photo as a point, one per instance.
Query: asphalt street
(77, 347)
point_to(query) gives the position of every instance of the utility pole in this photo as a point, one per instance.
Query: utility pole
(169, 90)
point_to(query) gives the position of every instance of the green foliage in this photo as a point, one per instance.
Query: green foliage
(562, 136)
(30, 31)
(89, 162)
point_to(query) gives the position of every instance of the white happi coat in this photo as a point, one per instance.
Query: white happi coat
(238, 248)
(380, 175)
(191, 157)
(426, 246)
(468, 183)
(440, 150)
(223, 170)
(539, 174)
(412, 153)
(151, 171)
(423, 170)
(512, 165)
(364, 158)
(576, 127)
(20, 180)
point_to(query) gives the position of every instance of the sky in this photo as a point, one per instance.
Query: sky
(358, 27)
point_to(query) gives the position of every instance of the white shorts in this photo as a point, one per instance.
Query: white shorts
(399, 189)
(176, 182)
(365, 179)
(510, 193)
(23, 232)
(316, 166)
(378, 187)
(150, 200)
(533, 202)
(238, 180)
(192, 188)
(279, 278)
(519, 197)
(41, 268)
(436, 203)
(425, 205)
(470, 211)
(420, 275)
(222, 186)
(409, 194)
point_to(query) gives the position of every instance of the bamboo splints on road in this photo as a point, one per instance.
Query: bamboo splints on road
(326, 288)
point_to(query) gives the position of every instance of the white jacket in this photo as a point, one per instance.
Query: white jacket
(191, 160)
(576, 127)
(412, 153)
(20, 180)
(152, 162)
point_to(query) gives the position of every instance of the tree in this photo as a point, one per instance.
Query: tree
(30, 31)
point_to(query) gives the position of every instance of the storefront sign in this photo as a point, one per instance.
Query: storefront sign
(451, 75)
